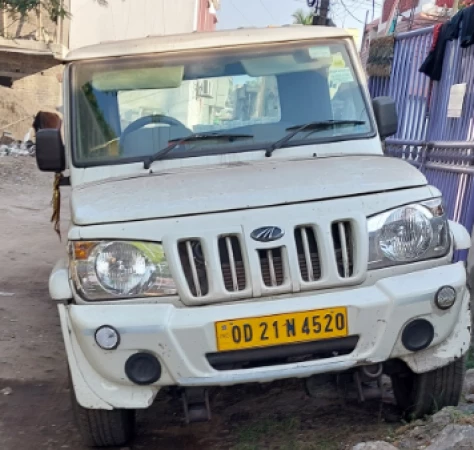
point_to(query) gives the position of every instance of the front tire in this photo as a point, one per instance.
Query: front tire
(419, 395)
(103, 428)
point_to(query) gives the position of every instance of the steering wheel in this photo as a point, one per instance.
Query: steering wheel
(154, 118)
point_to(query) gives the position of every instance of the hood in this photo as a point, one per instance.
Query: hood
(238, 186)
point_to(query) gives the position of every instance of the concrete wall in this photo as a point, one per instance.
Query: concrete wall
(36, 78)
(36, 25)
(92, 23)
(35, 84)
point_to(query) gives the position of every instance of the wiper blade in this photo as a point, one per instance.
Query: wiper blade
(311, 126)
(195, 137)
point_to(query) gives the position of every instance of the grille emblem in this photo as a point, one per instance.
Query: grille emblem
(267, 234)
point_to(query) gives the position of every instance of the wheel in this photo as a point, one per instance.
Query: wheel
(103, 428)
(421, 394)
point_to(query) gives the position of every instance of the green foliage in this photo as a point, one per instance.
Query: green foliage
(302, 17)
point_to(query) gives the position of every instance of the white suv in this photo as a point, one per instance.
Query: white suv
(276, 243)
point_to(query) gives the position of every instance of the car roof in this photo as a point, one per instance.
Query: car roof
(204, 40)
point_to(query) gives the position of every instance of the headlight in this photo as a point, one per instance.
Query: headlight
(408, 234)
(120, 269)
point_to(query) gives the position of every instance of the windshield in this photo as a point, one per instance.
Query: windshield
(129, 109)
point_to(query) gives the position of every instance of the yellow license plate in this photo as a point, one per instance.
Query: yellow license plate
(281, 329)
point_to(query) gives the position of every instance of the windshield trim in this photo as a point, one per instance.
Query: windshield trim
(372, 133)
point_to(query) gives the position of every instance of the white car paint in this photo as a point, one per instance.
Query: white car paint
(181, 337)
(203, 41)
(211, 189)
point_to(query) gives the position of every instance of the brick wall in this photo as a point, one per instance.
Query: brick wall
(36, 84)
(33, 75)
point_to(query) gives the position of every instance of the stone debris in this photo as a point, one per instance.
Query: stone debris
(454, 437)
(18, 148)
(375, 445)
(12, 147)
(6, 391)
(449, 429)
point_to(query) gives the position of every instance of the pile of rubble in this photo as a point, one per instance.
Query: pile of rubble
(18, 148)
(12, 147)
(449, 429)
(17, 112)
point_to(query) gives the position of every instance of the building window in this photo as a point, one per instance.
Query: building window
(205, 88)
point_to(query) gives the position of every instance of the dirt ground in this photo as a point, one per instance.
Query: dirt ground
(35, 411)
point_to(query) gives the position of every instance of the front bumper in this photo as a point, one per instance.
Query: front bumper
(181, 337)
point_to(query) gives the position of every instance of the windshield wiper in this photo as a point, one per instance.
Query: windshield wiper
(195, 137)
(312, 127)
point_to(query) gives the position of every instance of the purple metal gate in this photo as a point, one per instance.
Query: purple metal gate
(440, 146)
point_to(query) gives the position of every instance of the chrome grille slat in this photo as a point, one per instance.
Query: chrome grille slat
(229, 271)
(345, 255)
(342, 235)
(235, 283)
(232, 264)
(316, 274)
(307, 254)
(192, 263)
(271, 266)
(194, 267)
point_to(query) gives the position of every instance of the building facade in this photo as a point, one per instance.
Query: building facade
(30, 46)
(405, 15)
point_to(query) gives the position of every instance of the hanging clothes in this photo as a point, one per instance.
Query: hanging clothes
(460, 26)
(467, 28)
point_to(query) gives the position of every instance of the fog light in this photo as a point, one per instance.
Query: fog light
(107, 337)
(445, 297)
(143, 368)
(417, 335)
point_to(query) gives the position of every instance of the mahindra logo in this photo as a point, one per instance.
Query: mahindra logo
(267, 234)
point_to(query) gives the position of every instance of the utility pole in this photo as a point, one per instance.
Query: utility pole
(321, 12)
(364, 31)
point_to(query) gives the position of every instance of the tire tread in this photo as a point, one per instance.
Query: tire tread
(103, 428)
(423, 394)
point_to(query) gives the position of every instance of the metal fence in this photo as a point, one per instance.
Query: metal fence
(440, 146)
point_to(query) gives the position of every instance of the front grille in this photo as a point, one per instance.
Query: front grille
(308, 253)
(232, 264)
(342, 236)
(272, 267)
(194, 267)
(282, 354)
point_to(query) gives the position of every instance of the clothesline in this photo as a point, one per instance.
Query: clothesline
(461, 26)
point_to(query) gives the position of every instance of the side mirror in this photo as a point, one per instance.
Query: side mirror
(386, 116)
(50, 153)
